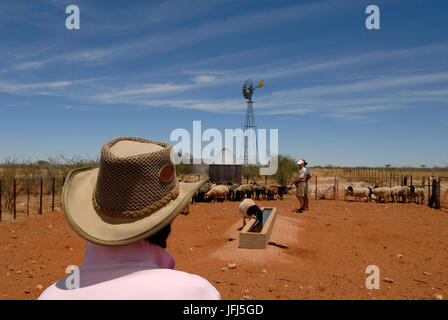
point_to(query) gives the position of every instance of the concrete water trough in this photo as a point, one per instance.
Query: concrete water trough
(255, 235)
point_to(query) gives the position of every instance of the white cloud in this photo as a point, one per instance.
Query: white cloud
(23, 88)
(154, 88)
(204, 79)
(169, 40)
(40, 88)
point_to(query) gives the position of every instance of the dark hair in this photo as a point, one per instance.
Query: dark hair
(160, 237)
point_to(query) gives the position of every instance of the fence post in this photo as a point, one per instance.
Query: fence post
(41, 191)
(433, 195)
(28, 198)
(438, 194)
(15, 195)
(316, 189)
(52, 197)
(335, 188)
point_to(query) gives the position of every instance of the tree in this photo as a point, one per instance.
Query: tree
(250, 171)
(286, 171)
(184, 168)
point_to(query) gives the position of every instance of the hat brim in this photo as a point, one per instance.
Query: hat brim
(85, 221)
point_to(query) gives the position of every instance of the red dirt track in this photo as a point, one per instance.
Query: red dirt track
(329, 249)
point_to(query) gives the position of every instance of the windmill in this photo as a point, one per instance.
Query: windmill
(249, 122)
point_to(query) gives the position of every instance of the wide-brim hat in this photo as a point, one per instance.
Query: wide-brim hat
(133, 193)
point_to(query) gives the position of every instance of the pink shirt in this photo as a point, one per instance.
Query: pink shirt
(139, 271)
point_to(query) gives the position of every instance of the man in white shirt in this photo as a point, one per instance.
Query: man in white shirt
(300, 183)
(308, 177)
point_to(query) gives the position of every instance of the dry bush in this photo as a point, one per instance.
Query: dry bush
(28, 174)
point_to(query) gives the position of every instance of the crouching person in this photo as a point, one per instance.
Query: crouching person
(249, 209)
(124, 209)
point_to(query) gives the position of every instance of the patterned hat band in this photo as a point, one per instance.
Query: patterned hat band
(136, 178)
(138, 213)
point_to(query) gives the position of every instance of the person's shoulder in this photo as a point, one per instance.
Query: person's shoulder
(160, 284)
(49, 293)
(189, 286)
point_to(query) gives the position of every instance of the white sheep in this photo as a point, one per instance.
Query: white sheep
(395, 193)
(245, 190)
(417, 194)
(358, 193)
(217, 192)
(382, 193)
(249, 209)
(405, 193)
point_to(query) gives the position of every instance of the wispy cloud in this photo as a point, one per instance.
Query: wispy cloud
(290, 67)
(204, 79)
(340, 90)
(24, 88)
(160, 42)
(39, 88)
(339, 96)
(352, 100)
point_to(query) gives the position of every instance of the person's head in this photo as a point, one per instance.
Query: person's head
(300, 163)
(133, 195)
(304, 162)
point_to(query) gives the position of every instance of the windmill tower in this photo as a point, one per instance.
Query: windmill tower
(249, 122)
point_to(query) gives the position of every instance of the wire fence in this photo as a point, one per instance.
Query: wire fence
(37, 196)
(29, 196)
(333, 188)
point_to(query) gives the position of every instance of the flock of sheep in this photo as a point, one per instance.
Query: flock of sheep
(236, 192)
(386, 194)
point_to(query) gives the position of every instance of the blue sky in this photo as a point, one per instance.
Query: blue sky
(338, 93)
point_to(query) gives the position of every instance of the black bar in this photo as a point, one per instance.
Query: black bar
(41, 191)
(433, 193)
(14, 201)
(28, 198)
(52, 197)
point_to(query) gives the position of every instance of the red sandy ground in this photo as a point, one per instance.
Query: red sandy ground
(329, 248)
